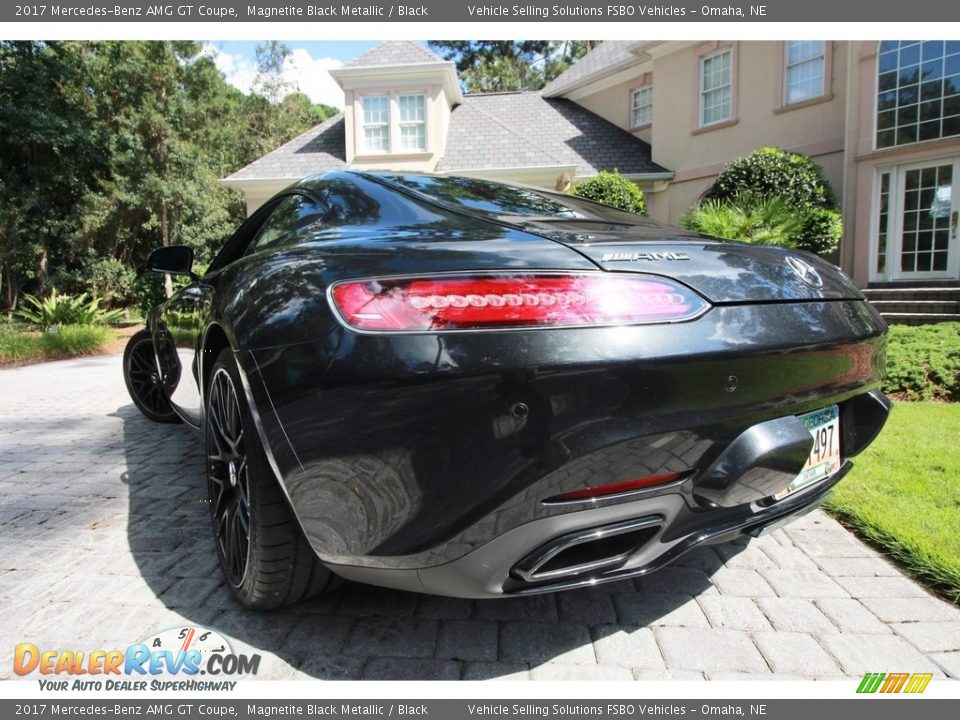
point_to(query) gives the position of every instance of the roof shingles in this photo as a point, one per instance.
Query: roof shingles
(497, 130)
(524, 129)
(321, 148)
(608, 54)
(394, 52)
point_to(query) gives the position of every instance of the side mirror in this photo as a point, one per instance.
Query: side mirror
(173, 259)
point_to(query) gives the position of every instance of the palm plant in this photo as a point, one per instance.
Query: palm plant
(57, 309)
(749, 217)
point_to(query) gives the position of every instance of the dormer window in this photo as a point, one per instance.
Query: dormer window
(413, 122)
(393, 122)
(376, 123)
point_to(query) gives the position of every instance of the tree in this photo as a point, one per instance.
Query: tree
(503, 65)
(564, 54)
(501, 74)
(156, 175)
(109, 149)
(278, 111)
(270, 82)
(50, 150)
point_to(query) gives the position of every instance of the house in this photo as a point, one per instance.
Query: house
(881, 118)
(404, 111)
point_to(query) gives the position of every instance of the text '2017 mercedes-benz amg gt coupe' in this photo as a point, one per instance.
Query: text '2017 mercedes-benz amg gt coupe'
(454, 386)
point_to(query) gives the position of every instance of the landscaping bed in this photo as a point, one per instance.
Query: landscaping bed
(23, 346)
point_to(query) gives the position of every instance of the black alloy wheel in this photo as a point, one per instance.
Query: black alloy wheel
(228, 481)
(147, 387)
(263, 553)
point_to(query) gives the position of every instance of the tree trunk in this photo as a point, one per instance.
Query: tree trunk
(13, 293)
(42, 272)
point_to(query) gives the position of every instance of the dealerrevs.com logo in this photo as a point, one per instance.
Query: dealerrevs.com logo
(172, 659)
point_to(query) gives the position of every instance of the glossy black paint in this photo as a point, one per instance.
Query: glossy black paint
(606, 405)
(404, 452)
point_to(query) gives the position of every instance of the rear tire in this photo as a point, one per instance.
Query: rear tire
(147, 388)
(264, 556)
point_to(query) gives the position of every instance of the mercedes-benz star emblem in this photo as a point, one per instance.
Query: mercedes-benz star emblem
(805, 271)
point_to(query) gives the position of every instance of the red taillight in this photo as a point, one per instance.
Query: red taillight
(464, 303)
(615, 488)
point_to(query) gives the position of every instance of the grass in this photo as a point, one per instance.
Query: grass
(904, 493)
(71, 340)
(18, 345)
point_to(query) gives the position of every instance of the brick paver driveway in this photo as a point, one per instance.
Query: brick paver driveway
(104, 539)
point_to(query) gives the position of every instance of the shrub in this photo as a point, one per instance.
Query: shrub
(797, 181)
(923, 362)
(750, 218)
(110, 280)
(821, 230)
(611, 188)
(73, 340)
(59, 309)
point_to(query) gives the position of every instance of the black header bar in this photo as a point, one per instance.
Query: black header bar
(323, 11)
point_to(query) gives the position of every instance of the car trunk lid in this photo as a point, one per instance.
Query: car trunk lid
(723, 272)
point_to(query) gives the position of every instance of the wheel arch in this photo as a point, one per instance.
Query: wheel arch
(215, 339)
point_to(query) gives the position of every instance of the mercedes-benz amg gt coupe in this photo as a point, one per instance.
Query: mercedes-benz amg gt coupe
(454, 386)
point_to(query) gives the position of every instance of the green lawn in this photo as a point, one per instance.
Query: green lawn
(904, 493)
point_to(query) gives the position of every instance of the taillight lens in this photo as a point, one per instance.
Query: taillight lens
(617, 488)
(474, 302)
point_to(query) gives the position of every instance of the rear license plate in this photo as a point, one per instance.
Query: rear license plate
(824, 460)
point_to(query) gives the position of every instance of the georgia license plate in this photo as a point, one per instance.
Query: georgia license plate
(824, 460)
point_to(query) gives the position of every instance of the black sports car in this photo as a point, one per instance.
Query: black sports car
(454, 386)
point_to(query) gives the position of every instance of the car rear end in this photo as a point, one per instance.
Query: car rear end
(514, 429)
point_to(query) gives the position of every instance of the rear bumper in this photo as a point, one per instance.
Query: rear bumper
(404, 455)
(490, 571)
(606, 544)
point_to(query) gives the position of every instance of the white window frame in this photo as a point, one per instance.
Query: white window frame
(411, 123)
(394, 141)
(648, 105)
(364, 124)
(895, 222)
(701, 92)
(788, 66)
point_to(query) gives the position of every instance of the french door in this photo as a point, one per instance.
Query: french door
(918, 221)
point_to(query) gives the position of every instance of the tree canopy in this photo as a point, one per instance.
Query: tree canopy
(108, 149)
(505, 65)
